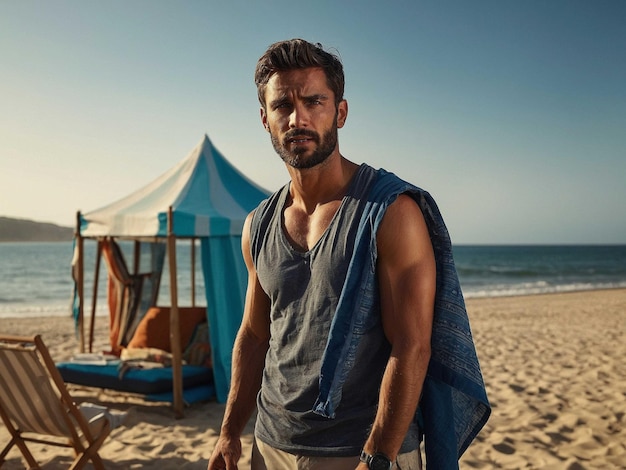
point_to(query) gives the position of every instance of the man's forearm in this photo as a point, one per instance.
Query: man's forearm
(399, 396)
(248, 363)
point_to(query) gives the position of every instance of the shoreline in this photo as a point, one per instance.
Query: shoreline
(553, 365)
(469, 298)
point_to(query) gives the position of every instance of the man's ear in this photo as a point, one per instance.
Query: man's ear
(342, 113)
(264, 119)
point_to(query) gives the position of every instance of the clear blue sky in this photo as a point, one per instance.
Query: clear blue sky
(511, 113)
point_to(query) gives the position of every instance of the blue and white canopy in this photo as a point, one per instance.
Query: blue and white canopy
(208, 195)
(210, 200)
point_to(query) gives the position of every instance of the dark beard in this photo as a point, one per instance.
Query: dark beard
(325, 147)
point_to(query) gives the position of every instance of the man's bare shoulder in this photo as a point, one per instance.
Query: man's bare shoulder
(403, 211)
(403, 229)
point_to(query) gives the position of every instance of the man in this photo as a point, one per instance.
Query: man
(333, 358)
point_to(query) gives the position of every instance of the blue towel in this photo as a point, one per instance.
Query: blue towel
(454, 405)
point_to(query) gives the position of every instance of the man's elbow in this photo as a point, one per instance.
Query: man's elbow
(423, 354)
(413, 352)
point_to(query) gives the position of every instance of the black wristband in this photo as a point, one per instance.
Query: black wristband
(377, 461)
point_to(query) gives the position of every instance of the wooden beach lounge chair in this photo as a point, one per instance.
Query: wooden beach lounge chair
(36, 406)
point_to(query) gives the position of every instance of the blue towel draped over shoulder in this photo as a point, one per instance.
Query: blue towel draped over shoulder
(454, 405)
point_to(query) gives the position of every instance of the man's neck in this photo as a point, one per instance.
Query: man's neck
(326, 182)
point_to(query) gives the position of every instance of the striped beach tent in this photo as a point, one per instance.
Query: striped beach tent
(205, 199)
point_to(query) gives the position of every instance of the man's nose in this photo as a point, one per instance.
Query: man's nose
(299, 116)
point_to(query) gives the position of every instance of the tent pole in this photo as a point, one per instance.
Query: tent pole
(193, 272)
(80, 280)
(94, 299)
(136, 256)
(177, 367)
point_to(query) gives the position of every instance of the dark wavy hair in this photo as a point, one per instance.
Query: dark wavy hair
(298, 54)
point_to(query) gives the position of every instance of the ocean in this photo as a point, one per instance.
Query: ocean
(35, 278)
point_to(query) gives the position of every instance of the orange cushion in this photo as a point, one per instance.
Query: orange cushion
(154, 329)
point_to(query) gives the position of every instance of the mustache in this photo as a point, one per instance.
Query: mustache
(301, 133)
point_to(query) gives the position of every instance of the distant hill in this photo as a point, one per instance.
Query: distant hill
(22, 230)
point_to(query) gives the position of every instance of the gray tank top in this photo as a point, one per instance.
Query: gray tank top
(304, 288)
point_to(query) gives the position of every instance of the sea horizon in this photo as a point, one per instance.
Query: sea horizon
(35, 277)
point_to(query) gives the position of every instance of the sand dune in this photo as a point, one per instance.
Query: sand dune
(554, 366)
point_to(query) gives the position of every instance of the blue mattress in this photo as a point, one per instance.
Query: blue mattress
(154, 383)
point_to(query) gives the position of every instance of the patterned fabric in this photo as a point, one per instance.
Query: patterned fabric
(454, 405)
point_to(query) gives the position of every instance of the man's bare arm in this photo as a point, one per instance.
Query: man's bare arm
(407, 280)
(247, 366)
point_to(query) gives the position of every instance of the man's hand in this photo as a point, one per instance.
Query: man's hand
(226, 454)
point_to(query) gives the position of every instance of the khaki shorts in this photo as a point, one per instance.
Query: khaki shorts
(265, 457)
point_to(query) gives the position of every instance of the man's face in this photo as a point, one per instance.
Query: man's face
(301, 117)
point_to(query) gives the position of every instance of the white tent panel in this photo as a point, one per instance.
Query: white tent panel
(208, 197)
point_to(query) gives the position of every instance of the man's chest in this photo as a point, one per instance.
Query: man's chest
(304, 230)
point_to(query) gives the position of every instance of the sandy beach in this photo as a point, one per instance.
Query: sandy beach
(553, 364)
